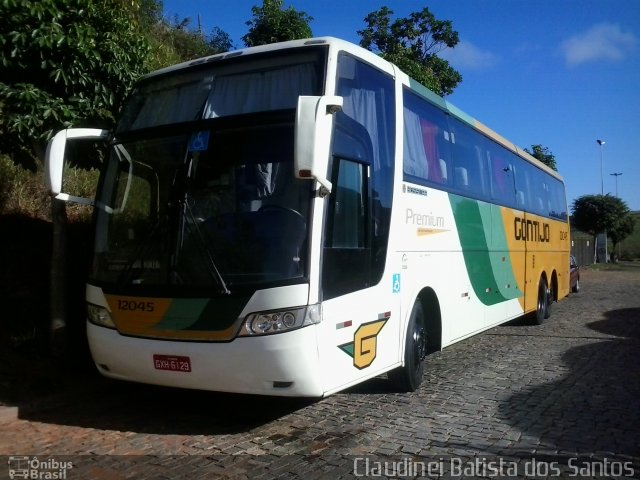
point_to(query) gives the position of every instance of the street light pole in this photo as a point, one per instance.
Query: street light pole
(601, 143)
(606, 240)
(616, 175)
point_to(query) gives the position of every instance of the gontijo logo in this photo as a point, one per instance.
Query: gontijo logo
(531, 230)
(364, 347)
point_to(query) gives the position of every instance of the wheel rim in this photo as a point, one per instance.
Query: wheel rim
(419, 343)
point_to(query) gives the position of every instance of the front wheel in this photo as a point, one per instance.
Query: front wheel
(409, 377)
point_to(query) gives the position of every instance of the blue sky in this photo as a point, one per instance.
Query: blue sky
(561, 73)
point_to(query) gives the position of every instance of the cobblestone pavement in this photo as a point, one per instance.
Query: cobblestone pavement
(569, 388)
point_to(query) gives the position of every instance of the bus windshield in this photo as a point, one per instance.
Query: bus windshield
(214, 205)
(199, 188)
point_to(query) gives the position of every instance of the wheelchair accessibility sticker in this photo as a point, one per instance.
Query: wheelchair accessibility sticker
(396, 283)
(199, 141)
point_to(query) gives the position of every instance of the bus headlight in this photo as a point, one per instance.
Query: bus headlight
(266, 323)
(99, 316)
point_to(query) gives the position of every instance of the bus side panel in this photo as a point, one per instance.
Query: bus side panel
(429, 243)
(495, 266)
(508, 260)
(547, 254)
(358, 335)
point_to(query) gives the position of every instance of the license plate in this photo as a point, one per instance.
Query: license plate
(173, 363)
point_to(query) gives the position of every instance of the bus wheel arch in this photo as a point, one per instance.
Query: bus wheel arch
(432, 318)
(422, 336)
(554, 286)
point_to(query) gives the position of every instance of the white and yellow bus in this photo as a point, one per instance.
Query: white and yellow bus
(296, 218)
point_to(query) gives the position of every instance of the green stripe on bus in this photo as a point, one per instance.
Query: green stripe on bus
(501, 259)
(473, 221)
(182, 314)
(427, 94)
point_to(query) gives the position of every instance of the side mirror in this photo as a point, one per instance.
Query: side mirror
(54, 160)
(314, 119)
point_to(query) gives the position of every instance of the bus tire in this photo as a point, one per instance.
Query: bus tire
(547, 311)
(409, 377)
(542, 303)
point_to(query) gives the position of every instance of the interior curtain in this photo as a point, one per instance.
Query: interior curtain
(173, 105)
(259, 91)
(429, 134)
(360, 104)
(415, 157)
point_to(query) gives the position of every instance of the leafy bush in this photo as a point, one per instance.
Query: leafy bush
(63, 63)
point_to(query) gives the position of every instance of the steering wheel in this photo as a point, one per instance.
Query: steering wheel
(265, 208)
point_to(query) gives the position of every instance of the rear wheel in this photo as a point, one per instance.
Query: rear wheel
(547, 312)
(409, 377)
(542, 304)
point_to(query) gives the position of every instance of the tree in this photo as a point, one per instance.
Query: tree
(544, 155)
(595, 214)
(63, 63)
(622, 230)
(219, 41)
(412, 44)
(175, 42)
(273, 23)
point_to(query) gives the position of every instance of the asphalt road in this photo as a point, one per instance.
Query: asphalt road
(562, 398)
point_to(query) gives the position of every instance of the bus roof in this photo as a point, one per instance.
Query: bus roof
(377, 61)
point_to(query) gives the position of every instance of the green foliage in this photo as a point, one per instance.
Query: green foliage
(622, 229)
(273, 23)
(412, 44)
(594, 214)
(544, 155)
(176, 42)
(630, 246)
(63, 63)
(219, 41)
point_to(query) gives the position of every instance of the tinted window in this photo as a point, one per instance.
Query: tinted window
(501, 164)
(348, 214)
(469, 161)
(357, 225)
(426, 156)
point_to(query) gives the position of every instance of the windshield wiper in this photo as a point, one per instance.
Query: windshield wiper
(213, 269)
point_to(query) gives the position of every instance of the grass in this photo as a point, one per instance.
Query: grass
(620, 266)
(23, 192)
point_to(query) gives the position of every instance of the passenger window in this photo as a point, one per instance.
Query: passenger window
(469, 161)
(426, 142)
(502, 175)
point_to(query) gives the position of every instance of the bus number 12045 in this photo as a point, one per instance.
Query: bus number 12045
(136, 306)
